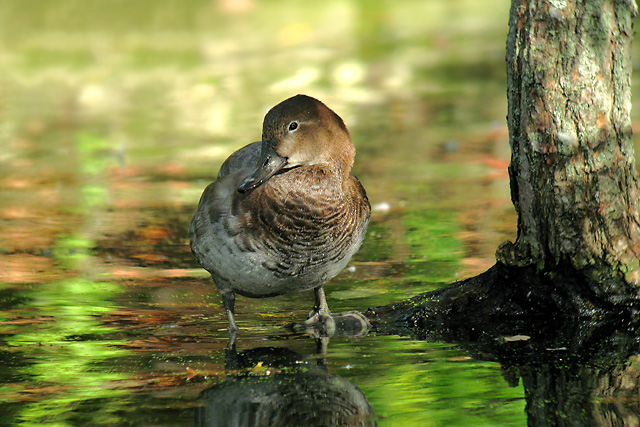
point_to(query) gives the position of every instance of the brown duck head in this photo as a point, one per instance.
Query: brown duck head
(301, 131)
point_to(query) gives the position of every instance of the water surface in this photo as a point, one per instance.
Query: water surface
(115, 116)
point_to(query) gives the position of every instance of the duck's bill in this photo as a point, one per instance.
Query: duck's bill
(269, 164)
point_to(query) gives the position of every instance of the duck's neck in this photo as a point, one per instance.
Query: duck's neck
(318, 178)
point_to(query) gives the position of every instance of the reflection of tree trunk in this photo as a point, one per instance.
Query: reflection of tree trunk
(574, 372)
(559, 395)
(619, 396)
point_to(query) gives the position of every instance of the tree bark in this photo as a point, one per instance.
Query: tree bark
(572, 176)
(573, 181)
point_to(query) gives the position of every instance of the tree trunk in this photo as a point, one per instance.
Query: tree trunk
(572, 176)
(572, 173)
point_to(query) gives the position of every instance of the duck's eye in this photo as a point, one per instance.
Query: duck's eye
(293, 126)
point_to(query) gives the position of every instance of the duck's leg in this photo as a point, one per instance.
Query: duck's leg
(229, 301)
(321, 300)
(324, 324)
(320, 317)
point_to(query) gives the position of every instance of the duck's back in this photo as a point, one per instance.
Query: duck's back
(245, 158)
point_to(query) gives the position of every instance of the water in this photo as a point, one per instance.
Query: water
(116, 116)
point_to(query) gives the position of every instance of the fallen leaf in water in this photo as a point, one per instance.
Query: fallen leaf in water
(191, 373)
(515, 338)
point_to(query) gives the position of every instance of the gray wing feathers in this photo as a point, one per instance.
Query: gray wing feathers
(245, 158)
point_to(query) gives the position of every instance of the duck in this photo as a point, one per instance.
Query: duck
(285, 214)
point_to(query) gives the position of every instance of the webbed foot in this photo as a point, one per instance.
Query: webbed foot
(323, 323)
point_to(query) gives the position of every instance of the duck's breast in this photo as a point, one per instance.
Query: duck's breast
(289, 234)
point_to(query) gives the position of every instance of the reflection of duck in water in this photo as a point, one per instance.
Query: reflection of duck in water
(285, 214)
(287, 393)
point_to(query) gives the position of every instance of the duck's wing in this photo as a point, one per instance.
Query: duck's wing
(214, 224)
(245, 158)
